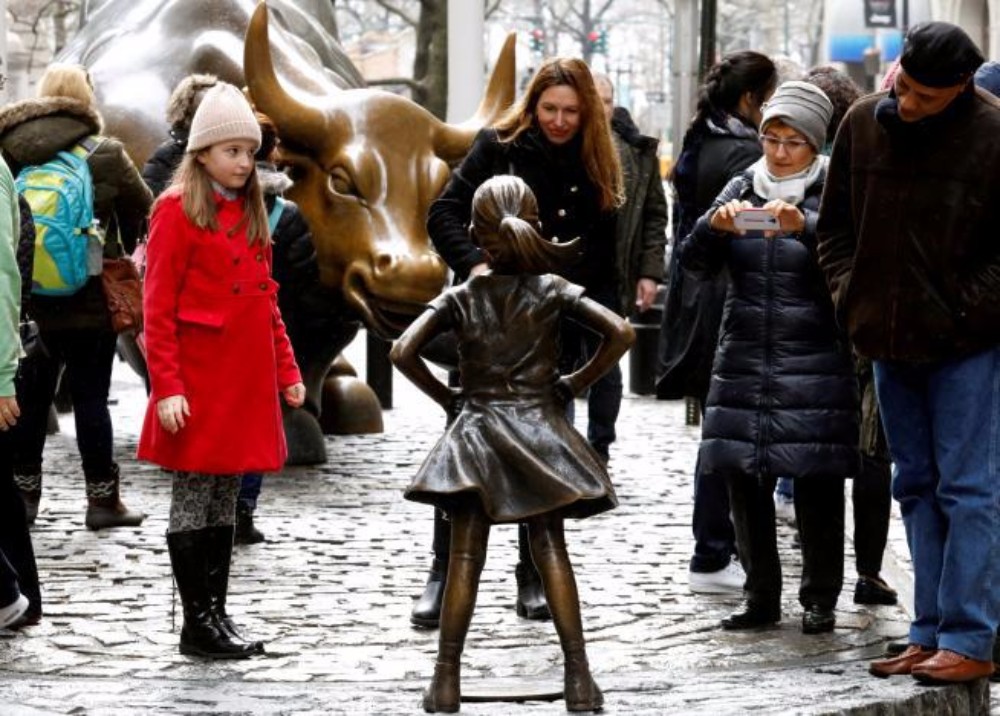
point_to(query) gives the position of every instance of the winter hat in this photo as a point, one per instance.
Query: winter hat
(223, 115)
(802, 106)
(987, 77)
(939, 54)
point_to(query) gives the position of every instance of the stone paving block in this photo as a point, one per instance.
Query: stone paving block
(332, 589)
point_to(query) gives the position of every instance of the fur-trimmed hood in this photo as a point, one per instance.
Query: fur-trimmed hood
(272, 181)
(33, 130)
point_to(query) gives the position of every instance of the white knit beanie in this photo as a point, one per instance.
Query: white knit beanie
(802, 106)
(223, 115)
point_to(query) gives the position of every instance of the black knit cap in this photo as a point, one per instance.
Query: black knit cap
(939, 54)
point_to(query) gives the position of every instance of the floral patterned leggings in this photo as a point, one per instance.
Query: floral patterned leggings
(199, 501)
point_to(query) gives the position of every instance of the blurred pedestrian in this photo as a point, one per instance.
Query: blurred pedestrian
(720, 142)
(871, 496)
(20, 596)
(907, 242)
(75, 329)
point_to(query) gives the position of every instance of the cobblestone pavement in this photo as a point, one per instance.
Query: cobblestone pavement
(332, 589)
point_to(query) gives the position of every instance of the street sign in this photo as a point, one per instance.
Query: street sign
(880, 13)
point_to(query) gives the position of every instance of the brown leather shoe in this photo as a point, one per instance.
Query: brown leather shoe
(947, 667)
(902, 664)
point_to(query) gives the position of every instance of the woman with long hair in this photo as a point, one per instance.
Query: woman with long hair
(720, 142)
(557, 139)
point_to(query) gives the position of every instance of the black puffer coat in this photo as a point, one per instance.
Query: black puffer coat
(715, 150)
(783, 399)
(161, 165)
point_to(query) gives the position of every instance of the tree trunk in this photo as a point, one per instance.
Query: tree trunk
(430, 62)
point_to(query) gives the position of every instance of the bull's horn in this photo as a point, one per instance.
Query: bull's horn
(452, 141)
(294, 120)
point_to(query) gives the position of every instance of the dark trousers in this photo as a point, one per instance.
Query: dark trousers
(819, 509)
(17, 557)
(871, 498)
(250, 486)
(714, 536)
(88, 355)
(604, 398)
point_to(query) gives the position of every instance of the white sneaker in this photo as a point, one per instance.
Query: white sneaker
(728, 580)
(10, 614)
(784, 508)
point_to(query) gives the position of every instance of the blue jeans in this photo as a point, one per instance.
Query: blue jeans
(942, 421)
(250, 489)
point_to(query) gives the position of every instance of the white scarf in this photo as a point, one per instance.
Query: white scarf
(790, 188)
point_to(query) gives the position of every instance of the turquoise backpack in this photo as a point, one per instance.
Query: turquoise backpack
(61, 195)
(275, 215)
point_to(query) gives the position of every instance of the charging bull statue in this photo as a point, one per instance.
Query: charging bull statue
(365, 163)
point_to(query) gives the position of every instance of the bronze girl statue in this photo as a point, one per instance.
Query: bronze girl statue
(512, 455)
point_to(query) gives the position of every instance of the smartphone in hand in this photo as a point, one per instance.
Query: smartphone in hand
(756, 220)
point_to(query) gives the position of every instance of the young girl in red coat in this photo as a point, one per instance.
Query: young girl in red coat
(217, 354)
(511, 455)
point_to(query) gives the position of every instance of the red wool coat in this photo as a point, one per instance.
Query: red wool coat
(214, 335)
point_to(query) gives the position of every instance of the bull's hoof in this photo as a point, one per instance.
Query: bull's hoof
(306, 445)
(350, 407)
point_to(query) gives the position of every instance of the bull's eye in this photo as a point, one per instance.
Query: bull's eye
(340, 182)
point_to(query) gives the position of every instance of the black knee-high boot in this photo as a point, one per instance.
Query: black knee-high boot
(219, 556)
(427, 611)
(202, 634)
(531, 602)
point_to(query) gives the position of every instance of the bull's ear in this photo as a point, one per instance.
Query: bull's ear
(452, 141)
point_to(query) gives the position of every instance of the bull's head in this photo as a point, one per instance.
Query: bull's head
(367, 164)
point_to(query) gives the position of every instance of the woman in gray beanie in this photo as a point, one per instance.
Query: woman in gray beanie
(783, 399)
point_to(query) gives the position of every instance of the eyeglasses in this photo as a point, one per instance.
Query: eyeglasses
(774, 142)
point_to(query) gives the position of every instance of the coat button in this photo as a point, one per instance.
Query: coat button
(561, 212)
(260, 257)
(574, 189)
(236, 288)
(236, 260)
(555, 239)
(263, 286)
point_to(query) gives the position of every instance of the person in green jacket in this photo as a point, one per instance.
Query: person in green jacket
(17, 559)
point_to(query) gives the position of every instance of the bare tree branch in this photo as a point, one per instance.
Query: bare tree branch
(398, 12)
(490, 9)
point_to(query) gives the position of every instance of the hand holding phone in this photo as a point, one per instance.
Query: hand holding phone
(756, 220)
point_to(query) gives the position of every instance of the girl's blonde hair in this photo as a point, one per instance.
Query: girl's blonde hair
(67, 80)
(198, 200)
(504, 221)
(599, 156)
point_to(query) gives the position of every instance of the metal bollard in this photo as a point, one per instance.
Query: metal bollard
(692, 411)
(643, 357)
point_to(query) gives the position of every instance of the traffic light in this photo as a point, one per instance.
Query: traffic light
(597, 41)
(537, 42)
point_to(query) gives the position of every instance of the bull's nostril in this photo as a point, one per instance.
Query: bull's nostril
(384, 263)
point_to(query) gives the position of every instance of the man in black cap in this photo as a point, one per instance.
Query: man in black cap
(908, 239)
